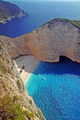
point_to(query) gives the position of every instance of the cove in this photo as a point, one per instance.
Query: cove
(58, 95)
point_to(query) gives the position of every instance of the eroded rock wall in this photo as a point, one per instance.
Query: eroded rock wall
(48, 42)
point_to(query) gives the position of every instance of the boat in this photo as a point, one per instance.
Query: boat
(47, 67)
(43, 78)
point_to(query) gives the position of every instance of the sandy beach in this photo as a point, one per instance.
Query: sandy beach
(28, 63)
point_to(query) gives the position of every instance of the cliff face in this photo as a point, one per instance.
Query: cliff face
(50, 41)
(13, 95)
(9, 11)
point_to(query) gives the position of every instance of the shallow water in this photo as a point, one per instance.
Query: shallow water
(58, 95)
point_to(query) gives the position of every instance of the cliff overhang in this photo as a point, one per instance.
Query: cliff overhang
(58, 37)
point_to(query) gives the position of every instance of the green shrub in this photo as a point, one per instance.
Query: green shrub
(19, 84)
(0, 62)
(4, 86)
(12, 68)
(2, 67)
(29, 115)
(9, 110)
(15, 98)
(7, 60)
(30, 102)
(12, 111)
(9, 71)
(0, 46)
(10, 88)
(39, 113)
(29, 108)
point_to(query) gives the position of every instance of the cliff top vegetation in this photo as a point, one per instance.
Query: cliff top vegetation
(76, 23)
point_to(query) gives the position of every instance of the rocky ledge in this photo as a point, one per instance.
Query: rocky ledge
(58, 37)
(10, 11)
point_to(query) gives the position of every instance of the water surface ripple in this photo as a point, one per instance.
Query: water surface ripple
(58, 95)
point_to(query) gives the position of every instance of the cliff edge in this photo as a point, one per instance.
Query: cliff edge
(10, 11)
(15, 102)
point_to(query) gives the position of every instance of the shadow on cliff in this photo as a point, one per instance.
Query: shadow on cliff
(64, 66)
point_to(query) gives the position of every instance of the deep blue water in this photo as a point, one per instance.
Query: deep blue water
(58, 95)
(39, 13)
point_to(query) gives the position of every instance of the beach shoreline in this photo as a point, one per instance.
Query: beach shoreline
(25, 66)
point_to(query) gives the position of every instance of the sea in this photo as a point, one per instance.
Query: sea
(55, 87)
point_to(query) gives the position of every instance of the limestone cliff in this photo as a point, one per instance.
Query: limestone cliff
(10, 11)
(15, 102)
(58, 37)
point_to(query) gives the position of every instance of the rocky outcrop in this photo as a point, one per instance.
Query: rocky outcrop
(10, 11)
(11, 86)
(50, 41)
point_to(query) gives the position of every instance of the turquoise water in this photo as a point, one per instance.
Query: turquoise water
(58, 95)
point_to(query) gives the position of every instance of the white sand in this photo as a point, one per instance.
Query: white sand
(30, 62)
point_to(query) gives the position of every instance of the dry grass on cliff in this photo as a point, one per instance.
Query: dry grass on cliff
(10, 109)
(10, 103)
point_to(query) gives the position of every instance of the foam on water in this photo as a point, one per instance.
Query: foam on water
(58, 95)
